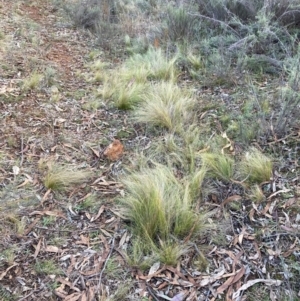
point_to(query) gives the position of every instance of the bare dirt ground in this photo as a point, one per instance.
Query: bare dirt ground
(71, 245)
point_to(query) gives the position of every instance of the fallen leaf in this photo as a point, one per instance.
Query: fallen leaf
(252, 282)
(5, 272)
(52, 249)
(154, 268)
(100, 211)
(178, 297)
(232, 198)
(114, 151)
(37, 249)
(83, 240)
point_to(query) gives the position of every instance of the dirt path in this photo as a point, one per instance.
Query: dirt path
(69, 234)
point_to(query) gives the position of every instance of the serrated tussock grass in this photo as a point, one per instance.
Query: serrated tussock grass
(219, 166)
(155, 64)
(127, 96)
(256, 194)
(60, 178)
(32, 82)
(127, 85)
(159, 206)
(166, 105)
(256, 167)
(170, 252)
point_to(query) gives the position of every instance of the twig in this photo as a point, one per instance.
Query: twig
(24, 298)
(22, 149)
(278, 140)
(152, 293)
(105, 263)
(215, 21)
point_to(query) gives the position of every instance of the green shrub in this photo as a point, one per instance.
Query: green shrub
(180, 25)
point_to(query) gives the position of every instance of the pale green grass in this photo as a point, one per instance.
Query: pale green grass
(127, 96)
(219, 166)
(19, 224)
(99, 71)
(8, 255)
(158, 205)
(195, 182)
(169, 253)
(155, 64)
(256, 194)
(140, 255)
(32, 82)
(166, 105)
(255, 167)
(60, 178)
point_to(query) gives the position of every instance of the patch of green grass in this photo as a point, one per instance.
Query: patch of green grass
(218, 165)
(47, 267)
(48, 220)
(17, 223)
(99, 70)
(88, 203)
(113, 268)
(166, 105)
(6, 295)
(122, 291)
(57, 241)
(200, 262)
(8, 255)
(139, 254)
(195, 181)
(180, 25)
(50, 76)
(255, 167)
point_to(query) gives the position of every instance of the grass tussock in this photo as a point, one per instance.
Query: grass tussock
(127, 85)
(155, 64)
(256, 194)
(256, 167)
(60, 178)
(219, 166)
(32, 82)
(129, 96)
(166, 106)
(159, 206)
(169, 253)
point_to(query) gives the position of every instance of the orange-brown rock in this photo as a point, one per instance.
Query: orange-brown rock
(114, 151)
